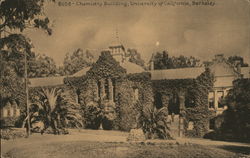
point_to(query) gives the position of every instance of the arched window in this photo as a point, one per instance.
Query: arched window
(158, 100)
(136, 94)
(106, 88)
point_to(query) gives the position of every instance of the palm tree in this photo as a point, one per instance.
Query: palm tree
(56, 109)
(154, 123)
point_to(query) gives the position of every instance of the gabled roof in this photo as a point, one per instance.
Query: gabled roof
(180, 73)
(46, 81)
(80, 73)
(131, 67)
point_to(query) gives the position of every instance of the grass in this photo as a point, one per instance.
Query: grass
(112, 144)
(116, 150)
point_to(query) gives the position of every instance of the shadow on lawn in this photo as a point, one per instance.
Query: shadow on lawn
(236, 149)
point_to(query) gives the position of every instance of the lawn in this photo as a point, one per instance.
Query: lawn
(112, 144)
(86, 149)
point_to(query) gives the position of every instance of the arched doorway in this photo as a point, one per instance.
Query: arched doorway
(158, 100)
(174, 104)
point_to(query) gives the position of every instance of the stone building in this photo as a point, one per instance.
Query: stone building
(106, 87)
(224, 74)
(10, 113)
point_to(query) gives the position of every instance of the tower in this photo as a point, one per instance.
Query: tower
(117, 49)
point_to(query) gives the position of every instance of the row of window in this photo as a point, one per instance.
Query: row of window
(11, 112)
(107, 91)
(220, 96)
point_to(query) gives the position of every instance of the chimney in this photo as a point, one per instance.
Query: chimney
(152, 62)
(152, 65)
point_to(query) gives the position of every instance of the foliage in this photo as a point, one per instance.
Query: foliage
(8, 121)
(121, 115)
(154, 123)
(164, 61)
(73, 62)
(126, 110)
(42, 66)
(55, 109)
(106, 67)
(109, 114)
(200, 113)
(237, 117)
(12, 49)
(15, 16)
(92, 115)
(196, 99)
(239, 59)
(69, 111)
(23, 14)
(135, 57)
(8, 133)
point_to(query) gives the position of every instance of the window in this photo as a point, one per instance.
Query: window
(14, 111)
(211, 99)
(212, 124)
(158, 100)
(99, 88)
(106, 89)
(190, 125)
(220, 95)
(136, 94)
(8, 112)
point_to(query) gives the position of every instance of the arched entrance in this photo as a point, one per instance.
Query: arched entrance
(175, 102)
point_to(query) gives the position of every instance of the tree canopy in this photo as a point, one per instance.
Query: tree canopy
(234, 60)
(15, 17)
(164, 61)
(135, 57)
(42, 66)
(23, 14)
(76, 61)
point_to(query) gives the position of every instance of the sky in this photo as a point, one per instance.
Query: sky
(200, 31)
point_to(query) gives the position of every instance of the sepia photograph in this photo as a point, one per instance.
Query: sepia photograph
(125, 78)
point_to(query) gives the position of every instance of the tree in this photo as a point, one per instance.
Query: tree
(22, 14)
(135, 57)
(77, 61)
(237, 116)
(42, 66)
(164, 61)
(12, 49)
(154, 123)
(56, 109)
(15, 17)
(234, 60)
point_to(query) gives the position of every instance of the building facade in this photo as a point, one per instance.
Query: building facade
(102, 83)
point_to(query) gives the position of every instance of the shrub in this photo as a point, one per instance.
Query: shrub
(92, 115)
(237, 117)
(55, 108)
(126, 110)
(9, 133)
(154, 123)
(109, 115)
(9, 121)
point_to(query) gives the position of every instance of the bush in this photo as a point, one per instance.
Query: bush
(92, 115)
(126, 110)
(8, 121)
(154, 123)
(9, 133)
(52, 131)
(236, 124)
